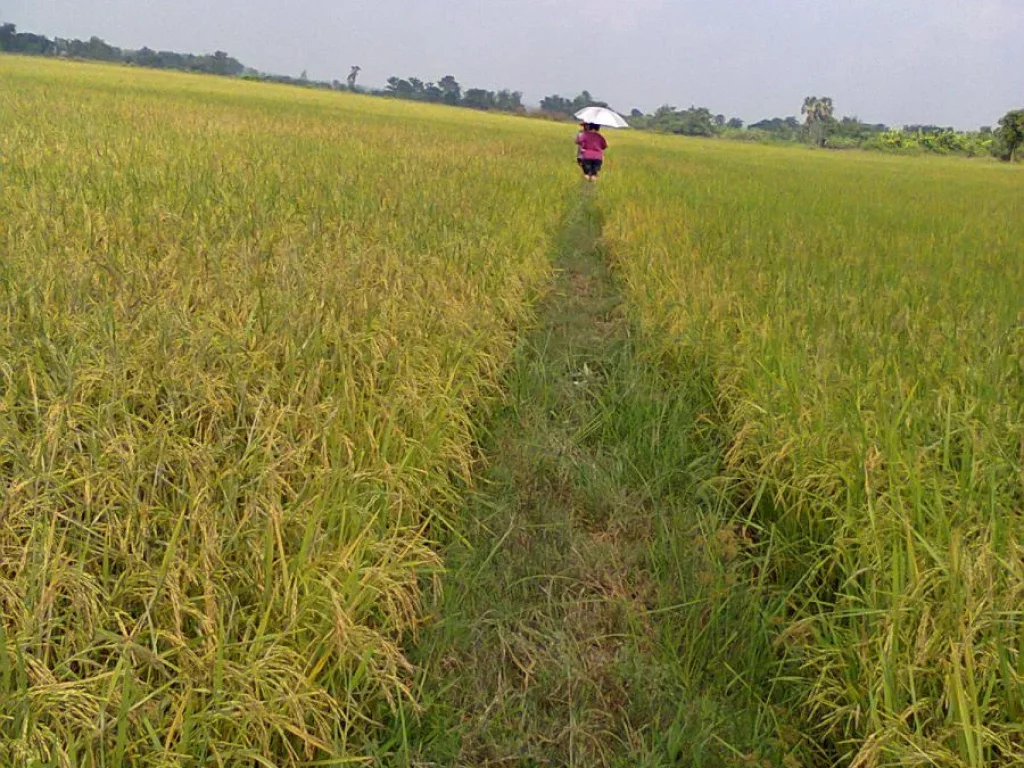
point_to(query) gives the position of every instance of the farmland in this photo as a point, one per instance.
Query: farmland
(328, 423)
(863, 324)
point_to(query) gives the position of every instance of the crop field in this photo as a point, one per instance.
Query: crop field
(863, 322)
(244, 332)
(336, 430)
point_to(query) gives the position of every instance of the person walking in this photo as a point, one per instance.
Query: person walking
(592, 148)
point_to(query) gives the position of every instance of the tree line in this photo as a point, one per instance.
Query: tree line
(818, 126)
(218, 63)
(447, 90)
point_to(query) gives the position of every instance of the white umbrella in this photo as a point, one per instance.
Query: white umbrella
(601, 116)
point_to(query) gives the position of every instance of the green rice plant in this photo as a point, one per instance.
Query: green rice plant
(244, 331)
(862, 319)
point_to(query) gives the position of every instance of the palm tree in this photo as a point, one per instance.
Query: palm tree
(1011, 132)
(352, 77)
(819, 113)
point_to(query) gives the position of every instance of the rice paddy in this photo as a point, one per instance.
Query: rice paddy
(862, 320)
(336, 430)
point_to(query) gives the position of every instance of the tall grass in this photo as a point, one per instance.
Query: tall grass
(243, 331)
(862, 318)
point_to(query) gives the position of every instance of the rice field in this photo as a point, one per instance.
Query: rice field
(863, 321)
(244, 334)
(253, 337)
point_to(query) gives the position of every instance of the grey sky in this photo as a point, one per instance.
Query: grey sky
(950, 62)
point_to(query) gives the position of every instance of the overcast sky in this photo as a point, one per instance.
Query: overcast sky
(949, 62)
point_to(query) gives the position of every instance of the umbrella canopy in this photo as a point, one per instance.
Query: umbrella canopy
(601, 116)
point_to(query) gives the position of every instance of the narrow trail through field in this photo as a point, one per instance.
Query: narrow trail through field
(537, 613)
(568, 624)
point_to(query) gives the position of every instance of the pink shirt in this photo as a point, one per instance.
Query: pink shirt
(593, 145)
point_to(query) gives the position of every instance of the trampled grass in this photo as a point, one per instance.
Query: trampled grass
(864, 322)
(250, 337)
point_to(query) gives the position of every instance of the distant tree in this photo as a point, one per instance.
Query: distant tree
(927, 130)
(451, 91)
(509, 101)
(582, 101)
(695, 121)
(98, 49)
(304, 77)
(478, 98)
(734, 123)
(433, 93)
(556, 104)
(635, 113)
(352, 75)
(663, 118)
(560, 105)
(7, 33)
(1011, 132)
(586, 100)
(145, 57)
(785, 129)
(819, 114)
(853, 129)
(399, 87)
(720, 121)
(222, 64)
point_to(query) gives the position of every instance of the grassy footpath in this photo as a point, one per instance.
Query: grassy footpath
(588, 616)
